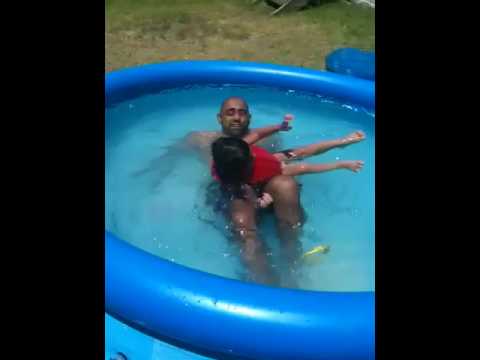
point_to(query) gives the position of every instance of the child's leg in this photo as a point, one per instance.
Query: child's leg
(320, 147)
(303, 168)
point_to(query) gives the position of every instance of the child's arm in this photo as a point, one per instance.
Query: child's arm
(302, 168)
(258, 134)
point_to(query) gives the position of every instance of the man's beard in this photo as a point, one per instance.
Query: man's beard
(236, 132)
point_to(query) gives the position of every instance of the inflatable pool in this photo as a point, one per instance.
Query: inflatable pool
(219, 317)
(352, 62)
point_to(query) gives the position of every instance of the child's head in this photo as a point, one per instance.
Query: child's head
(232, 160)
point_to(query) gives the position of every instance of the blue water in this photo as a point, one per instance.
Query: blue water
(163, 211)
(139, 346)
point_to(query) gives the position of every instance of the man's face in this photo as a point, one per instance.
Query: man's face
(234, 118)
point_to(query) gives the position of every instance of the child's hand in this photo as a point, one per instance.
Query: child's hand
(353, 138)
(285, 123)
(355, 165)
(265, 200)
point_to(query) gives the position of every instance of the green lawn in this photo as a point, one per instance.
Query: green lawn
(152, 31)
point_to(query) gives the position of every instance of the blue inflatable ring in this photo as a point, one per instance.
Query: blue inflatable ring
(353, 62)
(225, 318)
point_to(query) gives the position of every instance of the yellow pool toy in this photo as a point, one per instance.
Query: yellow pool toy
(322, 249)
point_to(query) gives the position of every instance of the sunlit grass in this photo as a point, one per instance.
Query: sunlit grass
(150, 31)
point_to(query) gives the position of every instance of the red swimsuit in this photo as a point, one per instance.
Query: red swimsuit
(265, 166)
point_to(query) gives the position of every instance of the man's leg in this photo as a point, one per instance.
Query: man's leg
(254, 254)
(321, 147)
(288, 212)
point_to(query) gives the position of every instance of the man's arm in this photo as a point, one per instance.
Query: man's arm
(256, 135)
(194, 143)
(199, 139)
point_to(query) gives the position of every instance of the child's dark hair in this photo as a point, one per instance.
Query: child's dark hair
(232, 160)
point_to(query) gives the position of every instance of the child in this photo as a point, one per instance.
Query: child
(237, 161)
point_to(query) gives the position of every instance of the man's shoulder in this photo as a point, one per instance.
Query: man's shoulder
(204, 134)
(202, 138)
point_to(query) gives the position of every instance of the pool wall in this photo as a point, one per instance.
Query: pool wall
(133, 82)
(225, 318)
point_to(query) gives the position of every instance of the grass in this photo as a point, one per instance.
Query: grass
(152, 31)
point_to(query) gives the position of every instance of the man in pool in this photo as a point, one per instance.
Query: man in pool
(234, 118)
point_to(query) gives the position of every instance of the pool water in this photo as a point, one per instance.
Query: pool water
(159, 205)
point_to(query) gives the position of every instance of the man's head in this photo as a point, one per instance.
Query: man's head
(234, 117)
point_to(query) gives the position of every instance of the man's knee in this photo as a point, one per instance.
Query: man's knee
(241, 220)
(283, 185)
(285, 191)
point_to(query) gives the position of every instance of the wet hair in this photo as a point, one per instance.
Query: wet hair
(232, 159)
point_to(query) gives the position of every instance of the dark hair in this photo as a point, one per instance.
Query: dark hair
(232, 160)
